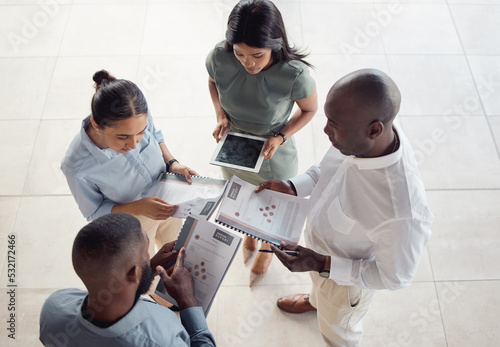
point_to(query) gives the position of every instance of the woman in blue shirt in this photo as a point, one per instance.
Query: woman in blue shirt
(117, 155)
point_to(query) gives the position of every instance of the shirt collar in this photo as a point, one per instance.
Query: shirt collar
(133, 318)
(380, 162)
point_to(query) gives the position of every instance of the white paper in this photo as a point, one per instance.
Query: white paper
(209, 252)
(267, 215)
(198, 198)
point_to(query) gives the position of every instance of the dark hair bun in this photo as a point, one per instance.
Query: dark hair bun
(101, 78)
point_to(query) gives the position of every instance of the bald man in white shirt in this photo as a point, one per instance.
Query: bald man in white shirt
(368, 222)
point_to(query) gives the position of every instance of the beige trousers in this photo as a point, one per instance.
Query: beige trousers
(340, 309)
(160, 231)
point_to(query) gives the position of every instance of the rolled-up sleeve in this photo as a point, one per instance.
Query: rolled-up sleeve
(158, 135)
(91, 202)
(304, 184)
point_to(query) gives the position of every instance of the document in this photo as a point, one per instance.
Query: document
(199, 198)
(209, 254)
(269, 216)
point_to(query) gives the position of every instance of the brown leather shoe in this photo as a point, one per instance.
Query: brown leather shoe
(296, 303)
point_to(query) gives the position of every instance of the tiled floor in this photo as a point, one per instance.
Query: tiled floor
(444, 55)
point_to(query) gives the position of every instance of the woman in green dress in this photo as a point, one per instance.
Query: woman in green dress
(255, 79)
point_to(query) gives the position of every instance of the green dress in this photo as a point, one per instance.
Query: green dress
(260, 105)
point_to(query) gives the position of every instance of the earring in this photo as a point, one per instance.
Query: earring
(98, 132)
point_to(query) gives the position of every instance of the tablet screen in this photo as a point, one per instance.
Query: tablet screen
(241, 151)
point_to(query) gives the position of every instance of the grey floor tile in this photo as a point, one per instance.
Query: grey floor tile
(475, 24)
(45, 240)
(44, 175)
(486, 72)
(465, 242)
(25, 83)
(17, 148)
(468, 312)
(72, 87)
(196, 33)
(88, 34)
(32, 31)
(435, 85)
(406, 317)
(28, 305)
(495, 127)
(454, 152)
(417, 29)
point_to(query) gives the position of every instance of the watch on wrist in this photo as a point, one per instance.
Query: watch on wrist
(170, 162)
(282, 135)
(325, 272)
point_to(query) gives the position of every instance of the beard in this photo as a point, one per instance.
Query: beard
(146, 280)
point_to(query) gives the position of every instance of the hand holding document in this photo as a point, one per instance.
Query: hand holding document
(209, 253)
(199, 198)
(269, 216)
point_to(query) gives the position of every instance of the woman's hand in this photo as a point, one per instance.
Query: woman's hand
(179, 169)
(154, 208)
(221, 129)
(271, 146)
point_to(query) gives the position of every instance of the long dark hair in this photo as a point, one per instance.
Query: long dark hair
(258, 23)
(115, 99)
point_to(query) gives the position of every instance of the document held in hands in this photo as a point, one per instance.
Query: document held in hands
(199, 198)
(209, 254)
(268, 215)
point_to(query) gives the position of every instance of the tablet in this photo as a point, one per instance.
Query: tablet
(239, 151)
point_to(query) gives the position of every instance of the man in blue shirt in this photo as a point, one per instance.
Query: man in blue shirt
(111, 257)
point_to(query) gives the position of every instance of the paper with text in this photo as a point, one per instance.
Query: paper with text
(268, 215)
(210, 251)
(199, 198)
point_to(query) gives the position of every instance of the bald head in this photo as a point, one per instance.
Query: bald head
(106, 246)
(360, 108)
(370, 93)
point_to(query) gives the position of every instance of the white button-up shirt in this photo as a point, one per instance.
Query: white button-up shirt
(369, 214)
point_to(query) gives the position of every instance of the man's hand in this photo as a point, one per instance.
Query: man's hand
(278, 186)
(180, 283)
(307, 260)
(164, 256)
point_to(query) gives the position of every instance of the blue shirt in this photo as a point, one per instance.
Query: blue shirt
(102, 178)
(146, 324)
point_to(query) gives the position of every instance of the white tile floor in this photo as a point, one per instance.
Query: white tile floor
(444, 55)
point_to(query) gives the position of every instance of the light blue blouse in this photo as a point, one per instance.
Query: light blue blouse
(101, 178)
(146, 324)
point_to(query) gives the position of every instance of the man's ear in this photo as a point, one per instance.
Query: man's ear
(375, 129)
(134, 274)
